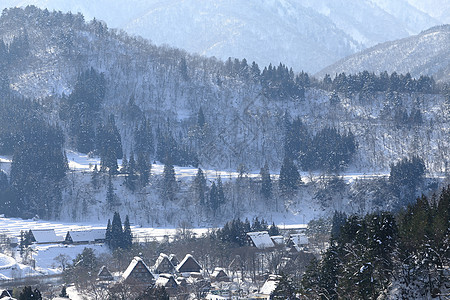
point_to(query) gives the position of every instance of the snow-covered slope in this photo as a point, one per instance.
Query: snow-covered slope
(439, 9)
(373, 21)
(307, 35)
(427, 53)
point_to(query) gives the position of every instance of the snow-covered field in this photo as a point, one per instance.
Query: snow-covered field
(81, 162)
(45, 254)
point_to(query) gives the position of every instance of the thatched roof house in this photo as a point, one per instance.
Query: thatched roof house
(188, 264)
(138, 273)
(163, 265)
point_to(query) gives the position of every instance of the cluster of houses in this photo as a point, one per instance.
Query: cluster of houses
(295, 242)
(181, 278)
(177, 277)
(261, 239)
(48, 236)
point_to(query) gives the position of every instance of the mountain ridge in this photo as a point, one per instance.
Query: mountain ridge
(424, 54)
(307, 36)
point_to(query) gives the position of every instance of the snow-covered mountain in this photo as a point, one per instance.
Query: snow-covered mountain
(427, 53)
(244, 121)
(438, 9)
(307, 35)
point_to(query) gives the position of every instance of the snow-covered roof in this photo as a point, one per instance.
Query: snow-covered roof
(270, 285)
(261, 239)
(90, 235)
(45, 236)
(133, 265)
(174, 260)
(166, 280)
(219, 273)
(188, 259)
(104, 273)
(277, 239)
(299, 239)
(163, 264)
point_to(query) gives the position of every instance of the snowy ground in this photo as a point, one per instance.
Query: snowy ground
(81, 162)
(45, 254)
(13, 227)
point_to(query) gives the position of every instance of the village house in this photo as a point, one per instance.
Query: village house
(298, 242)
(85, 236)
(104, 274)
(45, 236)
(163, 265)
(188, 265)
(219, 274)
(138, 273)
(167, 281)
(260, 239)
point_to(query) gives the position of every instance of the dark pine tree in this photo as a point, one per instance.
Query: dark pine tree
(220, 192)
(108, 234)
(127, 235)
(116, 232)
(169, 185)
(199, 186)
(213, 198)
(143, 168)
(131, 176)
(201, 118)
(289, 176)
(274, 230)
(285, 290)
(111, 198)
(266, 182)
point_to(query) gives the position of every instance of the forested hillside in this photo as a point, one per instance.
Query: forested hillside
(102, 92)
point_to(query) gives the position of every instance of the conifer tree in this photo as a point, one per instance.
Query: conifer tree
(143, 138)
(200, 118)
(143, 168)
(116, 232)
(169, 182)
(289, 176)
(285, 290)
(266, 182)
(127, 235)
(95, 180)
(199, 186)
(220, 192)
(131, 177)
(111, 198)
(108, 234)
(213, 198)
(274, 230)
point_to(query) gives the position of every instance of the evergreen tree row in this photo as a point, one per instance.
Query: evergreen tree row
(367, 83)
(118, 236)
